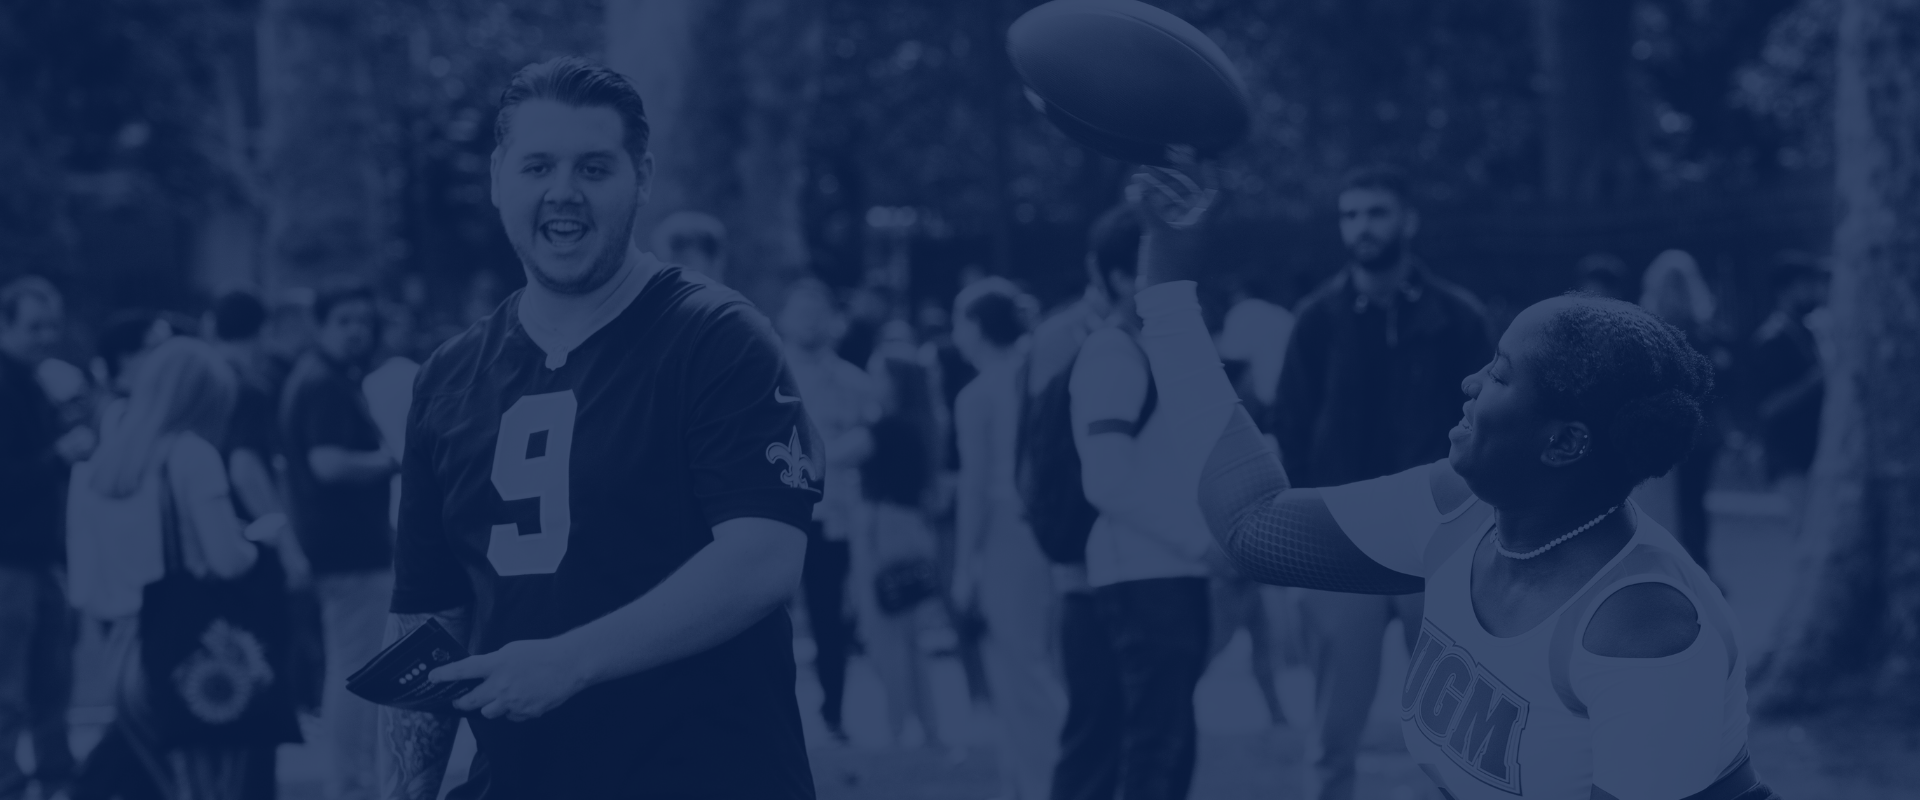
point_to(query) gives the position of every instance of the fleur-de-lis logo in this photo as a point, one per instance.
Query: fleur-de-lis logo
(799, 472)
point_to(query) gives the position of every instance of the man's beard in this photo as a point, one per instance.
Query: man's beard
(1386, 257)
(605, 263)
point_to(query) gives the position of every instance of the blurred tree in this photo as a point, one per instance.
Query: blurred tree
(1586, 79)
(326, 199)
(736, 98)
(1695, 55)
(1852, 632)
(651, 42)
(1787, 88)
(440, 66)
(114, 143)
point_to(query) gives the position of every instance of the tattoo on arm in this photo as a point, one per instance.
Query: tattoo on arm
(416, 746)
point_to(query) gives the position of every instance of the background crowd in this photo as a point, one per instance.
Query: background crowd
(233, 230)
(966, 517)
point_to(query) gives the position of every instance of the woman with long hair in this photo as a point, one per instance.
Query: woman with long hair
(999, 567)
(1569, 649)
(181, 398)
(898, 540)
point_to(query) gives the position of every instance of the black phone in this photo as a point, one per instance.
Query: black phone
(397, 677)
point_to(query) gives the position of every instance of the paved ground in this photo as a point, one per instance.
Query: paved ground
(1243, 757)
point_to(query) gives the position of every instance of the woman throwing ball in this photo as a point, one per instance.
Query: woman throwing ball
(1571, 650)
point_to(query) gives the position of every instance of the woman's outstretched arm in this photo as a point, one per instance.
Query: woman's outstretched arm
(1274, 533)
(1206, 444)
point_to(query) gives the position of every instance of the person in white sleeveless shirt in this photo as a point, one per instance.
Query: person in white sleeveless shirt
(1570, 649)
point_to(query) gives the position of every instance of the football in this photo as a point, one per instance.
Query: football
(1129, 80)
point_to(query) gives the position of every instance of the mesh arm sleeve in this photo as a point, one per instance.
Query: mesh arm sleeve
(1274, 535)
(1279, 535)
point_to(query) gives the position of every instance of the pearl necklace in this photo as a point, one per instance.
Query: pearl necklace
(1553, 544)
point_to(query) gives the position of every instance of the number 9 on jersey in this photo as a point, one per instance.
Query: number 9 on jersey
(531, 461)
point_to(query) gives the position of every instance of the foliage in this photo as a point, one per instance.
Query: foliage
(919, 109)
(152, 103)
(441, 66)
(109, 103)
(1789, 85)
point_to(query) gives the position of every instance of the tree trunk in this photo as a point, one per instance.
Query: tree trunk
(1852, 634)
(649, 41)
(1586, 75)
(228, 249)
(320, 165)
(732, 92)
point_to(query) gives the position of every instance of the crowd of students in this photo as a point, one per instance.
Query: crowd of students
(1086, 620)
(971, 491)
(261, 436)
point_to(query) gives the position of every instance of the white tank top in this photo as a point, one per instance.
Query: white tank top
(1488, 717)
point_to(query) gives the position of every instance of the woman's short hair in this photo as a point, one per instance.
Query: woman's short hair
(1632, 378)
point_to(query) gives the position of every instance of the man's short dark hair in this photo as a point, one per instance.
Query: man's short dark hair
(124, 334)
(694, 230)
(238, 315)
(576, 82)
(19, 289)
(998, 315)
(339, 294)
(1381, 177)
(1605, 269)
(1792, 267)
(1115, 241)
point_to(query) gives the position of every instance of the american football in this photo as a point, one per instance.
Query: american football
(1128, 79)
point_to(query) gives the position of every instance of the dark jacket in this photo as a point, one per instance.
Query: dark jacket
(1786, 374)
(1371, 388)
(342, 526)
(33, 478)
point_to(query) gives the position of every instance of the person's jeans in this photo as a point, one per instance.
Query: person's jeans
(1134, 652)
(823, 578)
(353, 608)
(36, 675)
(1344, 635)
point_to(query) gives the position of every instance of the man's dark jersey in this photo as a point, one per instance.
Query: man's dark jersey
(549, 497)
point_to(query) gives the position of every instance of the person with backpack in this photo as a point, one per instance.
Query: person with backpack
(1138, 640)
(999, 566)
(199, 699)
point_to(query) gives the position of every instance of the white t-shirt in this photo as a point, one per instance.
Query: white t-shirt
(113, 543)
(1139, 535)
(1537, 715)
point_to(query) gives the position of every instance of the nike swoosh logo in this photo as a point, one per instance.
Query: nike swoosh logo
(782, 397)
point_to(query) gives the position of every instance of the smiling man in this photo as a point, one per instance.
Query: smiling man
(603, 493)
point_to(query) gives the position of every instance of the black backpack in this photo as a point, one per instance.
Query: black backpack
(1048, 467)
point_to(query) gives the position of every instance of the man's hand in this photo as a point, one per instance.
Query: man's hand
(1173, 204)
(413, 762)
(520, 681)
(77, 445)
(276, 531)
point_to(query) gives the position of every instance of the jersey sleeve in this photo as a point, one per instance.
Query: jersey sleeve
(752, 450)
(427, 578)
(1659, 724)
(1391, 519)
